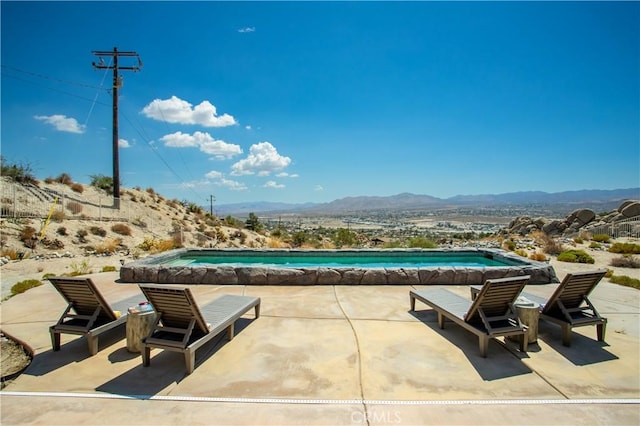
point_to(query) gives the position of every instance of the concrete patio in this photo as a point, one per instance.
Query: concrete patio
(329, 355)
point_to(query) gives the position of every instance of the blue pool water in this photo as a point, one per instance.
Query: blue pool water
(372, 261)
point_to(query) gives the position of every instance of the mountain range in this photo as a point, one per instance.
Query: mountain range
(408, 201)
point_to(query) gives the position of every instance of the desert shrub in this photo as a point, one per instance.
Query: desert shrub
(156, 246)
(23, 286)
(276, 243)
(64, 178)
(74, 207)
(121, 228)
(625, 248)
(102, 182)
(77, 187)
(521, 252)
(48, 275)
(601, 238)
(10, 253)
(61, 231)
(48, 180)
(222, 236)
(625, 281)
(22, 173)
(552, 246)
(80, 269)
(509, 245)
(422, 242)
(578, 240)
(82, 234)
(133, 198)
(96, 230)
(27, 233)
(109, 246)
(52, 244)
(108, 268)
(58, 216)
(625, 261)
(150, 191)
(540, 257)
(595, 245)
(575, 256)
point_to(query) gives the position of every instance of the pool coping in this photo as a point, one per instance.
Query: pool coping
(152, 269)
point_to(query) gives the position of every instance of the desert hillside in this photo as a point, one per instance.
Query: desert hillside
(83, 228)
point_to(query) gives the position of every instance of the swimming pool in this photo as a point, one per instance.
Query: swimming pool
(333, 267)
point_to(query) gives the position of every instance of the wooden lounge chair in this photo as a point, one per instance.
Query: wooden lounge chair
(490, 315)
(88, 313)
(182, 326)
(569, 305)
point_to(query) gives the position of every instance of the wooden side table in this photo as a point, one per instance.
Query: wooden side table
(529, 314)
(139, 325)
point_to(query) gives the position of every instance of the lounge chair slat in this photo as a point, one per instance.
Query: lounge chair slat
(178, 313)
(490, 315)
(569, 305)
(88, 313)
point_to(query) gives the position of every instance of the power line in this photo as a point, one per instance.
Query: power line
(46, 77)
(6, 73)
(55, 89)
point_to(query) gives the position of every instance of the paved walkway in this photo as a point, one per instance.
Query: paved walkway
(329, 355)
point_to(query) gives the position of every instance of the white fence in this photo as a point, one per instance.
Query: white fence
(627, 228)
(30, 201)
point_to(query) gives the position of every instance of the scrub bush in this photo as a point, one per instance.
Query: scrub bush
(625, 248)
(121, 228)
(575, 256)
(625, 281)
(601, 238)
(627, 261)
(23, 286)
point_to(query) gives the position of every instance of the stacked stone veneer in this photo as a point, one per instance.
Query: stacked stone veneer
(151, 270)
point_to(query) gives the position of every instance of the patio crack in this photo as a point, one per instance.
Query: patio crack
(355, 336)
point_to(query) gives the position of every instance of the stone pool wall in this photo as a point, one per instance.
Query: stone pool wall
(151, 270)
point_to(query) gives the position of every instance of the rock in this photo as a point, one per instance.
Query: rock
(631, 209)
(625, 204)
(582, 216)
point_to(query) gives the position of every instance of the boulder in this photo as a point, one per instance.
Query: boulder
(631, 209)
(554, 227)
(625, 204)
(582, 216)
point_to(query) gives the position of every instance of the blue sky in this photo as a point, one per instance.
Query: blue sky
(315, 101)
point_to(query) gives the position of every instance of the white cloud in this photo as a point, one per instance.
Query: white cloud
(285, 174)
(248, 127)
(273, 184)
(318, 188)
(62, 123)
(176, 110)
(207, 144)
(247, 30)
(263, 159)
(123, 143)
(232, 185)
(213, 174)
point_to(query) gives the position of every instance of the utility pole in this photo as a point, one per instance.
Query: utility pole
(117, 83)
(211, 199)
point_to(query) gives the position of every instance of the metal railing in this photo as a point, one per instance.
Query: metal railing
(626, 228)
(30, 201)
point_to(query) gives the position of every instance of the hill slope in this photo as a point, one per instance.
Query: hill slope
(83, 223)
